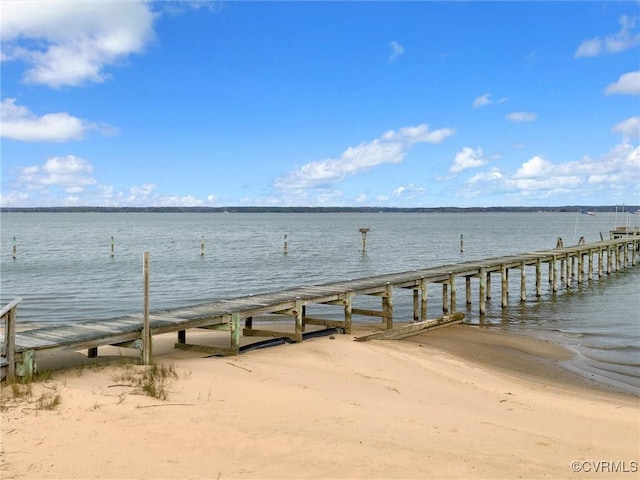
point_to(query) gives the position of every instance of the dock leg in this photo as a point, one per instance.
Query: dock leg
(600, 262)
(488, 289)
(467, 281)
(387, 302)
(423, 299)
(298, 313)
(555, 275)
(347, 313)
(590, 266)
(445, 297)
(452, 281)
(92, 352)
(538, 278)
(523, 283)
(416, 303)
(505, 286)
(482, 294)
(234, 327)
(580, 268)
(182, 336)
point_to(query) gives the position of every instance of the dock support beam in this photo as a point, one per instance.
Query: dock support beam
(538, 277)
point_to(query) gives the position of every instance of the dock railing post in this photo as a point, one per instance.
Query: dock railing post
(146, 331)
(9, 315)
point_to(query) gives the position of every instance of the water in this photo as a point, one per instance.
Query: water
(64, 271)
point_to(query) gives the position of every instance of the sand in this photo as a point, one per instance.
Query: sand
(460, 402)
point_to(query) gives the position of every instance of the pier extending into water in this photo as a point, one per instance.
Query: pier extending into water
(561, 266)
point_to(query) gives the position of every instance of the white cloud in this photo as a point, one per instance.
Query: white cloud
(534, 168)
(619, 171)
(467, 158)
(408, 191)
(70, 173)
(142, 190)
(627, 84)
(629, 128)
(615, 43)
(19, 123)
(69, 43)
(391, 147)
(396, 50)
(519, 117)
(484, 100)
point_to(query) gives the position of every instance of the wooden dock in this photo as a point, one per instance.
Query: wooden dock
(562, 265)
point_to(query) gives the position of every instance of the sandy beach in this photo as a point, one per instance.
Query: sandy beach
(459, 402)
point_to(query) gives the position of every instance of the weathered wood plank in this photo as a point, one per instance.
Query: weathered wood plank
(415, 328)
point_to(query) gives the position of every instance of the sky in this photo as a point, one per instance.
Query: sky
(383, 104)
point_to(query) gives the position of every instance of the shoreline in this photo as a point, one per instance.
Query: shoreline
(449, 403)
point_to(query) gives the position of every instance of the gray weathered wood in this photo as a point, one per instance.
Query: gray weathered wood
(415, 328)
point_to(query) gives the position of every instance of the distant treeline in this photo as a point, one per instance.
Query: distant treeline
(571, 208)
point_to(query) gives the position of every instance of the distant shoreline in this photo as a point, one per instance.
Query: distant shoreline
(255, 209)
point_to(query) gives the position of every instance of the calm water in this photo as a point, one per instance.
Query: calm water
(65, 273)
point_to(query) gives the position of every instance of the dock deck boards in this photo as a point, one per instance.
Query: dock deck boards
(94, 333)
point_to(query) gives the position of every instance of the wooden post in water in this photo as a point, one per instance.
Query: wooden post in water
(590, 265)
(202, 246)
(523, 283)
(568, 274)
(452, 280)
(538, 277)
(113, 247)
(505, 286)
(580, 267)
(15, 248)
(600, 262)
(363, 232)
(555, 274)
(467, 283)
(609, 261)
(461, 243)
(285, 248)
(146, 331)
(483, 277)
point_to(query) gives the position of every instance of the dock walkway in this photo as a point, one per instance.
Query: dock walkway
(563, 266)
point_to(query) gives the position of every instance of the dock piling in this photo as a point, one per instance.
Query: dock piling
(363, 232)
(15, 249)
(146, 331)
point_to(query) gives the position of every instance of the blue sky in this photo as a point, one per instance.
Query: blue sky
(389, 104)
